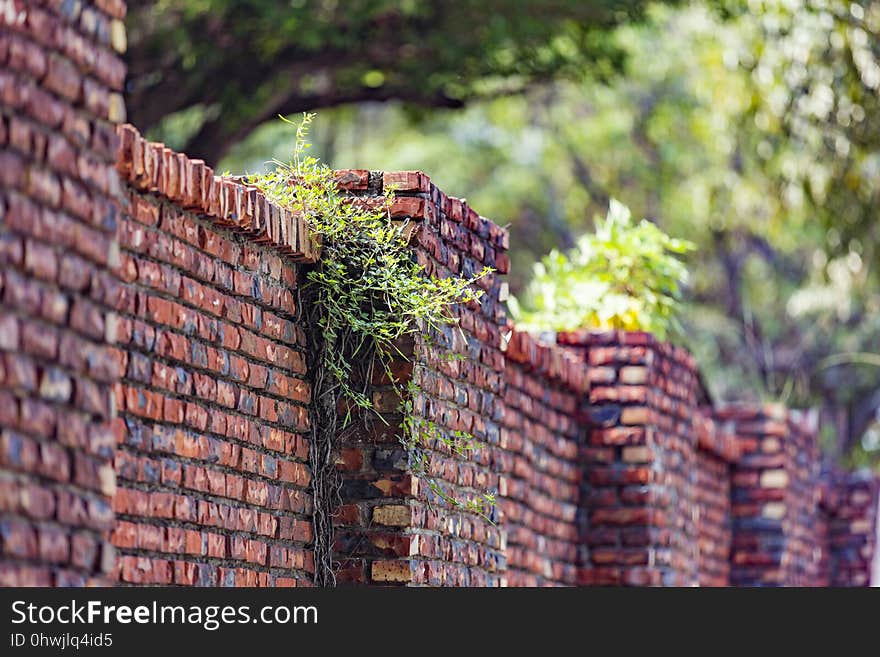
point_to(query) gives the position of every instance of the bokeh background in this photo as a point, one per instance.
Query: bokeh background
(751, 128)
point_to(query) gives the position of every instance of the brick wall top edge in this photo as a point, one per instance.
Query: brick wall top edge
(714, 438)
(191, 184)
(806, 419)
(837, 487)
(152, 167)
(114, 8)
(681, 357)
(864, 477)
(548, 360)
(419, 198)
(596, 338)
(71, 10)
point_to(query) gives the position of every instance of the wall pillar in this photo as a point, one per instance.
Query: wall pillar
(851, 509)
(392, 527)
(776, 496)
(638, 493)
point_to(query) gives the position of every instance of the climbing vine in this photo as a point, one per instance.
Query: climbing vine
(362, 299)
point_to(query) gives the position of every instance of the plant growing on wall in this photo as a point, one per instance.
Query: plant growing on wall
(624, 276)
(363, 297)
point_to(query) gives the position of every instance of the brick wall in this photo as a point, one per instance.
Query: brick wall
(154, 396)
(540, 461)
(212, 461)
(776, 497)
(717, 450)
(639, 487)
(60, 83)
(395, 528)
(610, 464)
(851, 529)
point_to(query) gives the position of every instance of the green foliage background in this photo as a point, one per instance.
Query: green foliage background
(749, 127)
(222, 67)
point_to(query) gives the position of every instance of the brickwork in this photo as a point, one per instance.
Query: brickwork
(154, 395)
(212, 463)
(716, 451)
(776, 496)
(851, 528)
(539, 459)
(60, 81)
(394, 528)
(640, 460)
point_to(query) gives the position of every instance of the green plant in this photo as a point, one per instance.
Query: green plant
(365, 294)
(625, 276)
(370, 290)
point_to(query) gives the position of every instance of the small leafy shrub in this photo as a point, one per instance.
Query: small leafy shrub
(624, 276)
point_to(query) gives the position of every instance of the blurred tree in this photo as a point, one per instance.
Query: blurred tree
(220, 68)
(754, 132)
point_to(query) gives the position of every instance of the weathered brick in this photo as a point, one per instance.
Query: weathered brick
(391, 571)
(152, 367)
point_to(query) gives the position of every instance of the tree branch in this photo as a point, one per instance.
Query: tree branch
(215, 138)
